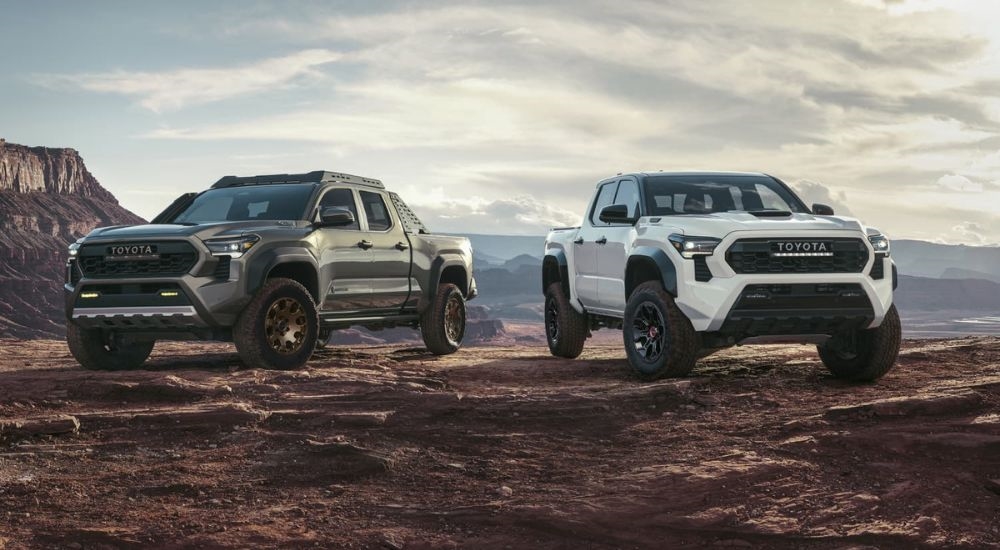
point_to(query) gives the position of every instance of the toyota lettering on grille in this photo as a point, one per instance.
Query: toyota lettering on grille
(801, 249)
(132, 252)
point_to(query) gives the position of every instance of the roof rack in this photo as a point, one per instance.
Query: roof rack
(317, 176)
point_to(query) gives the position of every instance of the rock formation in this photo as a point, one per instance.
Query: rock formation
(48, 199)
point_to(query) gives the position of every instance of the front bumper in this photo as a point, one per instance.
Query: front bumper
(800, 303)
(207, 297)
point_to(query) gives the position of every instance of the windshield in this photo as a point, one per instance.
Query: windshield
(259, 202)
(705, 194)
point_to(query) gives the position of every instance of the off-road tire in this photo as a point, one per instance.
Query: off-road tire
(94, 350)
(442, 325)
(566, 329)
(673, 350)
(875, 351)
(261, 333)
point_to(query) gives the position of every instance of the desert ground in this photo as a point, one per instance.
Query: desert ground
(499, 446)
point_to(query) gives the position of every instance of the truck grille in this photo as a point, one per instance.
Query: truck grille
(759, 256)
(171, 258)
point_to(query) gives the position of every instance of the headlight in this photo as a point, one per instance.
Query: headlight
(74, 249)
(880, 243)
(689, 247)
(234, 247)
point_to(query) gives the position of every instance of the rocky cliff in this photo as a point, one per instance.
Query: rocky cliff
(48, 199)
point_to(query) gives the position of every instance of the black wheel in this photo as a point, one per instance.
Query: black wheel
(566, 329)
(659, 339)
(96, 349)
(278, 328)
(442, 325)
(864, 355)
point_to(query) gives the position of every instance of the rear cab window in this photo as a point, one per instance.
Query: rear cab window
(375, 211)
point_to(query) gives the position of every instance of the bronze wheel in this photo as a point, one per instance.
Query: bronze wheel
(454, 319)
(442, 324)
(286, 325)
(279, 327)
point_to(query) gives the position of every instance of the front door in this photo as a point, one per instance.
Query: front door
(344, 263)
(390, 254)
(612, 257)
(591, 238)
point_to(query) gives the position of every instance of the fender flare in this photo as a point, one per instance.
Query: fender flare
(668, 273)
(558, 257)
(438, 265)
(265, 261)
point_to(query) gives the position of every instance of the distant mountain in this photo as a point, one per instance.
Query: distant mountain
(505, 247)
(523, 260)
(924, 259)
(926, 294)
(959, 273)
(48, 199)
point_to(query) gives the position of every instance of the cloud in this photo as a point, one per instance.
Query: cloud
(519, 215)
(970, 233)
(959, 183)
(175, 89)
(493, 101)
(815, 192)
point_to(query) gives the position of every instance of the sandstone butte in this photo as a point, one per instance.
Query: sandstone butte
(48, 199)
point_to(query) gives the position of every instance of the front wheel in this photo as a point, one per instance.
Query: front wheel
(566, 329)
(659, 339)
(96, 349)
(442, 325)
(278, 328)
(864, 355)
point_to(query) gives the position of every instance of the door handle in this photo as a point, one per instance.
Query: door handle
(365, 245)
(402, 246)
(602, 240)
(579, 240)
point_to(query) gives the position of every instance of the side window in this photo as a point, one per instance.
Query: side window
(769, 199)
(628, 194)
(605, 197)
(375, 211)
(341, 198)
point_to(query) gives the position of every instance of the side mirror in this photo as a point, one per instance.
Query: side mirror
(616, 213)
(334, 216)
(822, 210)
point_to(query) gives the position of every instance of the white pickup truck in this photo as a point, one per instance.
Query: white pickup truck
(685, 263)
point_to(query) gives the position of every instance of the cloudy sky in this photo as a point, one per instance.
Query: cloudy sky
(499, 117)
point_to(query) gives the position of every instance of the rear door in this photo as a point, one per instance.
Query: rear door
(344, 262)
(390, 253)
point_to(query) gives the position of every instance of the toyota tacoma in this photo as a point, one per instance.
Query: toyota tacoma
(272, 263)
(687, 263)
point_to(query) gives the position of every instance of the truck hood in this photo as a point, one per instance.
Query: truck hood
(720, 224)
(202, 231)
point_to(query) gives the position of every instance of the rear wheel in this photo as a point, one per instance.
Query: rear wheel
(442, 325)
(864, 355)
(96, 349)
(279, 327)
(659, 339)
(566, 329)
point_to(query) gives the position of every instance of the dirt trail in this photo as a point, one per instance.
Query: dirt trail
(499, 447)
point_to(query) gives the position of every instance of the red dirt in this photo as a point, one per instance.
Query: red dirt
(499, 447)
